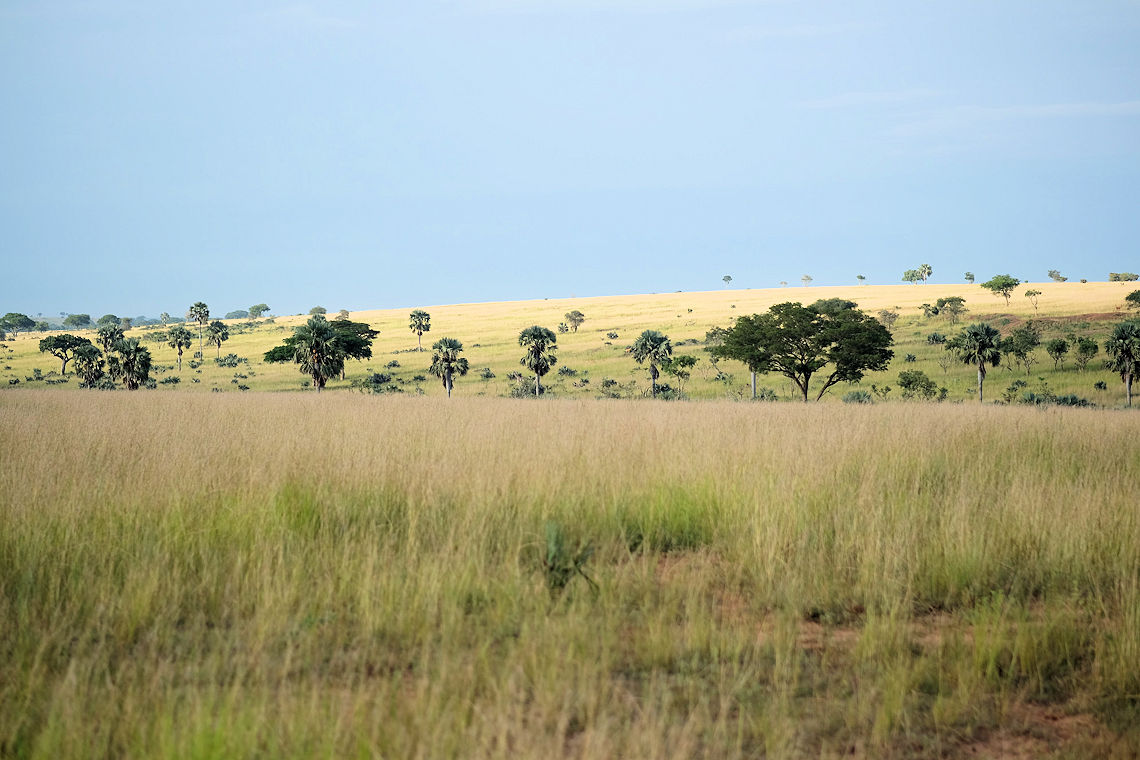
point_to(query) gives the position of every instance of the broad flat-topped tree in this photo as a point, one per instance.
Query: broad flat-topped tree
(800, 342)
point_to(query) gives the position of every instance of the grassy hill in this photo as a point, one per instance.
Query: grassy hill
(489, 333)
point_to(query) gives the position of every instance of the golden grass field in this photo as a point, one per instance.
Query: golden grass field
(490, 335)
(293, 575)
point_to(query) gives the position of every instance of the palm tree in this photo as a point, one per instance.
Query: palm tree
(446, 362)
(131, 365)
(539, 343)
(653, 347)
(216, 334)
(978, 344)
(200, 313)
(179, 338)
(317, 349)
(419, 321)
(88, 364)
(1124, 348)
(108, 335)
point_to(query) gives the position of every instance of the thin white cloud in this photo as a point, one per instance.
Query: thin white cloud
(869, 98)
(965, 118)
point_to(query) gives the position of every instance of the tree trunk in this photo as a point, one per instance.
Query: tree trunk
(63, 370)
(981, 379)
(753, 385)
(537, 385)
(419, 341)
(653, 378)
(1128, 388)
(447, 383)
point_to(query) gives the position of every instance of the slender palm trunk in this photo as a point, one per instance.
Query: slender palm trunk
(1128, 388)
(179, 359)
(981, 379)
(653, 378)
(537, 385)
(753, 385)
(447, 383)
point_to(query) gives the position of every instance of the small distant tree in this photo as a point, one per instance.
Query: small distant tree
(1021, 344)
(126, 323)
(929, 310)
(925, 271)
(680, 367)
(655, 348)
(1123, 277)
(1057, 348)
(1132, 300)
(107, 335)
(318, 310)
(129, 363)
(13, 322)
(952, 307)
(784, 283)
(727, 280)
(1002, 285)
(1087, 348)
(257, 310)
(862, 280)
(1123, 349)
(237, 314)
(1032, 295)
(108, 319)
(969, 277)
(164, 317)
(419, 322)
(199, 312)
(575, 319)
(42, 326)
(978, 345)
(806, 280)
(1056, 276)
(888, 317)
(342, 315)
(446, 362)
(317, 351)
(89, 364)
(216, 334)
(912, 276)
(179, 338)
(63, 347)
(77, 321)
(539, 344)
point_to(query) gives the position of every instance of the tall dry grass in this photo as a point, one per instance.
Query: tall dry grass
(293, 575)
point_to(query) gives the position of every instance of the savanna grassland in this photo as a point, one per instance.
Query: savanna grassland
(293, 575)
(589, 357)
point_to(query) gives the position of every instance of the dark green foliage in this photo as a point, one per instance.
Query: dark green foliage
(914, 383)
(833, 306)
(77, 321)
(969, 277)
(14, 322)
(237, 314)
(129, 364)
(446, 362)
(257, 310)
(107, 335)
(1056, 276)
(216, 334)
(230, 360)
(1021, 344)
(540, 345)
(487, 374)
(1002, 285)
(800, 342)
(857, 397)
(1123, 277)
(318, 310)
(376, 382)
(952, 308)
(1087, 348)
(979, 345)
(63, 347)
(935, 339)
(1132, 300)
(88, 365)
(1123, 349)
(575, 319)
(419, 321)
(1057, 348)
(652, 347)
(108, 319)
(910, 359)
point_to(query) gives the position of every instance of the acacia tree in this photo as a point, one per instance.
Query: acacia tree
(575, 319)
(1021, 344)
(129, 363)
(1132, 300)
(727, 280)
(1057, 348)
(540, 345)
(216, 334)
(1056, 276)
(978, 345)
(179, 338)
(63, 347)
(446, 362)
(806, 280)
(1002, 285)
(88, 362)
(861, 278)
(419, 322)
(1124, 349)
(1087, 348)
(353, 340)
(200, 313)
(257, 310)
(1032, 295)
(653, 347)
(953, 307)
(14, 322)
(77, 321)
(969, 277)
(800, 341)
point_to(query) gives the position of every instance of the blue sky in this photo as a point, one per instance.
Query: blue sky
(371, 155)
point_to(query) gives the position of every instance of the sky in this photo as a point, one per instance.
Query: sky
(399, 154)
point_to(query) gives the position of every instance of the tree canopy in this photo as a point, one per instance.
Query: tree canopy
(419, 322)
(14, 322)
(353, 341)
(179, 338)
(216, 334)
(978, 345)
(446, 362)
(801, 341)
(1002, 285)
(540, 345)
(655, 348)
(63, 347)
(257, 310)
(129, 363)
(575, 319)
(77, 321)
(1123, 349)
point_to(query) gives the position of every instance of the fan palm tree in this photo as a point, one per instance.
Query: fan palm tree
(200, 313)
(130, 363)
(540, 344)
(979, 345)
(107, 335)
(317, 349)
(216, 334)
(88, 364)
(1124, 348)
(179, 338)
(653, 347)
(446, 362)
(419, 321)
